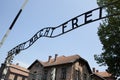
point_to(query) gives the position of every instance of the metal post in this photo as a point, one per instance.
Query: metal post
(11, 26)
(8, 60)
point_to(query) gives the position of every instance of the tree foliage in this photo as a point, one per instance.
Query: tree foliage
(109, 35)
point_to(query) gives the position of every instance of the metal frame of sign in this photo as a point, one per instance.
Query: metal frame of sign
(52, 32)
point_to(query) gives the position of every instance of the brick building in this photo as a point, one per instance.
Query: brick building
(97, 77)
(106, 75)
(60, 68)
(16, 72)
(103, 75)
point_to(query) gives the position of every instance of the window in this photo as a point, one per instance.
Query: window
(45, 75)
(39, 76)
(53, 74)
(26, 79)
(19, 78)
(85, 76)
(63, 73)
(37, 65)
(77, 75)
(11, 76)
(34, 75)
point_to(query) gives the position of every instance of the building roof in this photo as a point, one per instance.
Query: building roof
(18, 70)
(103, 74)
(98, 76)
(62, 60)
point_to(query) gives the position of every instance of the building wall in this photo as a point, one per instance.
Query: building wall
(80, 71)
(36, 72)
(14, 76)
(110, 78)
(97, 77)
(75, 71)
(11, 76)
(59, 73)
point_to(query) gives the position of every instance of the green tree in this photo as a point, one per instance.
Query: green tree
(109, 35)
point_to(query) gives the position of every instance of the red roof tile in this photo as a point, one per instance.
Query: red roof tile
(103, 74)
(18, 70)
(61, 60)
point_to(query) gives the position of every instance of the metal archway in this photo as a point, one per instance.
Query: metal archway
(51, 32)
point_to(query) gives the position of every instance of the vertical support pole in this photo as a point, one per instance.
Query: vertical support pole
(9, 57)
(11, 26)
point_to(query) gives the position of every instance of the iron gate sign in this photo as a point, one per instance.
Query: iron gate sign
(52, 32)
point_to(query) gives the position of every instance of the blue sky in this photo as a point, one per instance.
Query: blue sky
(39, 14)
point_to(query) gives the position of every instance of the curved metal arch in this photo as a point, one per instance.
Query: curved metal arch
(50, 31)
